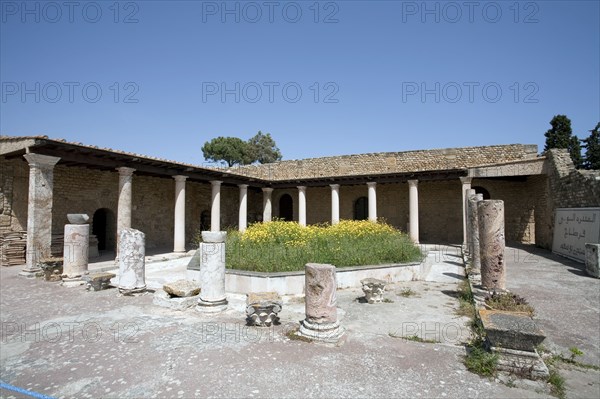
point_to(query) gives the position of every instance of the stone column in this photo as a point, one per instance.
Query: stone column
(267, 207)
(76, 250)
(491, 242)
(39, 211)
(321, 321)
(212, 272)
(132, 261)
(215, 206)
(413, 210)
(335, 204)
(243, 211)
(179, 226)
(124, 204)
(469, 246)
(302, 205)
(466, 185)
(372, 201)
(474, 244)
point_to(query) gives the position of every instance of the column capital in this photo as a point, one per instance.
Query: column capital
(466, 180)
(41, 161)
(243, 186)
(371, 184)
(334, 186)
(301, 188)
(125, 171)
(413, 182)
(179, 178)
(267, 190)
(216, 182)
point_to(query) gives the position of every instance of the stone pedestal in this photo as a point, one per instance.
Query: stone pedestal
(321, 321)
(491, 242)
(262, 308)
(592, 259)
(132, 262)
(473, 232)
(212, 272)
(373, 289)
(75, 254)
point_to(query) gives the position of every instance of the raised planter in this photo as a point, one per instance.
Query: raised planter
(292, 283)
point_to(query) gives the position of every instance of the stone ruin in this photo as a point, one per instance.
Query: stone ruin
(76, 250)
(373, 289)
(132, 266)
(178, 295)
(262, 308)
(321, 322)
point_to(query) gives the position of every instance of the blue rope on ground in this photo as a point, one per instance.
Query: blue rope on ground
(24, 391)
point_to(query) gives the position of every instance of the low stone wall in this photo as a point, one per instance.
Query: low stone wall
(292, 283)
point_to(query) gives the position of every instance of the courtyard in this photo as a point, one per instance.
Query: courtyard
(69, 342)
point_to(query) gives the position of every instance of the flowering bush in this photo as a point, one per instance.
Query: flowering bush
(287, 246)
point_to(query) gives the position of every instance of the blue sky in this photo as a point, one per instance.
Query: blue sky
(324, 78)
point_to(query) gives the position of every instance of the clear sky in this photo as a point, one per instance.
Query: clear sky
(324, 78)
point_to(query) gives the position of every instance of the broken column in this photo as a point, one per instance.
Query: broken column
(321, 321)
(373, 289)
(491, 242)
(75, 250)
(132, 262)
(212, 272)
(473, 229)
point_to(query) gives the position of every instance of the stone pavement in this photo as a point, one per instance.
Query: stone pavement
(67, 342)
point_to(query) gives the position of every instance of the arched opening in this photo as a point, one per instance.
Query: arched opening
(103, 227)
(361, 208)
(481, 190)
(286, 207)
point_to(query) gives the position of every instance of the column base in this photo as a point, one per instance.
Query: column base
(71, 282)
(31, 273)
(132, 291)
(211, 307)
(325, 332)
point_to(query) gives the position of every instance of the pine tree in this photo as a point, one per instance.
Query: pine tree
(592, 149)
(561, 136)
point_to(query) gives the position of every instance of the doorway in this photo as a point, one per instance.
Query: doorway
(103, 227)
(286, 207)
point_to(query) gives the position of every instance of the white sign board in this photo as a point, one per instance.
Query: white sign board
(573, 228)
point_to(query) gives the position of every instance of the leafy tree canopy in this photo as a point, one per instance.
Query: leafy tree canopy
(235, 151)
(232, 150)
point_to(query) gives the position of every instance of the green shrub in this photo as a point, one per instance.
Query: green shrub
(287, 246)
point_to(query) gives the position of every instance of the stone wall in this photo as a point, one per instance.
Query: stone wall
(567, 187)
(389, 162)
(14, 191)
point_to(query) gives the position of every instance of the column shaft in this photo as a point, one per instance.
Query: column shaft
(466, 185)
(491, 244)
(243, 211)
(335, 203)
(267, 207)
(124, 203)
(215, 207)
(413, 210)
(179, 225)
(39, 210)
(372, 201)
(302, 205)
